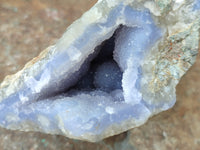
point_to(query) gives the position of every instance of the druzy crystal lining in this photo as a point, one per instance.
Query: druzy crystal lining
(98, 80)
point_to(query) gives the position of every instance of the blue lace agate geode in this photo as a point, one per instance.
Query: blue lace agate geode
(115, 67)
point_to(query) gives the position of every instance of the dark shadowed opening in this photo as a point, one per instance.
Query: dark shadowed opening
(98, 72)
(103, 71)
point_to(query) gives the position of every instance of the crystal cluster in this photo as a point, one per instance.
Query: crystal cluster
(112, 69)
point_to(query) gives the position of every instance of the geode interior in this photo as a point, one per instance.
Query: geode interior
(114, 68)
(100, 70)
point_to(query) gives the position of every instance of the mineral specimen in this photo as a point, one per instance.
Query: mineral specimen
(114, 68)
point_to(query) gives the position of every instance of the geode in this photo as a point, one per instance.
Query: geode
(112, 69)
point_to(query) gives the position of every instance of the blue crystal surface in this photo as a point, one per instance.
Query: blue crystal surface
(43, 104)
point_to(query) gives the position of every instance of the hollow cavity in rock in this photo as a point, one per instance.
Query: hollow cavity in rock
(103, 72)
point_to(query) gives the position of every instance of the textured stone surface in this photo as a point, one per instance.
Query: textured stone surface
(152, 123)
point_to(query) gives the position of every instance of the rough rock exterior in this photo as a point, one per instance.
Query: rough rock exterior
(153, 66)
